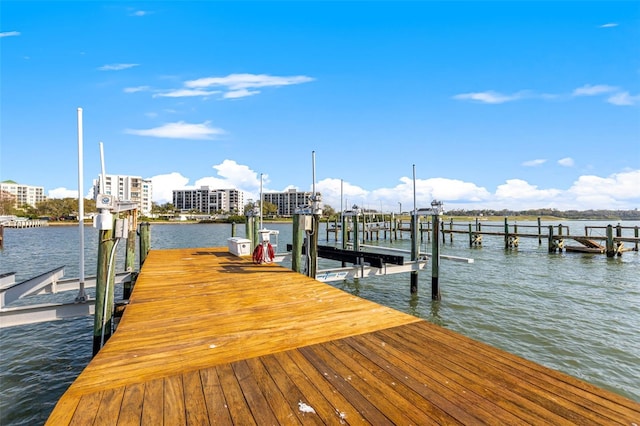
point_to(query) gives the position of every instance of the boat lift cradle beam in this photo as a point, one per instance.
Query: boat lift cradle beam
(47, 283)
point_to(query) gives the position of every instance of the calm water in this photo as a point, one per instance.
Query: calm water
(577, 313)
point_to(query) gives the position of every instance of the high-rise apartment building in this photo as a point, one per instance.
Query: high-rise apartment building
(127, 188)
(207, 200)
(287, 201)
(23, 194)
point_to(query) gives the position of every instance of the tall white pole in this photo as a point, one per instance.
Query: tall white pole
(415, 208)
(313, 168)
(82, 296)
(260, 214)
(103, 184)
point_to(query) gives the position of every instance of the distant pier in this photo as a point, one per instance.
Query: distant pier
(609, 240)
(29, 223)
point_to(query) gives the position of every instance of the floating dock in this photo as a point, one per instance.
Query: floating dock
(212, 338)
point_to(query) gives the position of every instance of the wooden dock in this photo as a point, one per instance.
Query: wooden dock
(211, 338)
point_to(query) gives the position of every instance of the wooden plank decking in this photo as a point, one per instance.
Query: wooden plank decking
(210, 338)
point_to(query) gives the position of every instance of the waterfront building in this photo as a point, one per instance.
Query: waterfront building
(22, 194)
(127, 188)
(208, 200)
(287, 201)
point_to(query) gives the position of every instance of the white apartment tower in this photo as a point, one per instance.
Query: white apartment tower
(23, 194)
(210, 201)
(287, 201)
(127, 188)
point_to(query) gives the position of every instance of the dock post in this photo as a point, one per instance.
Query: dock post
(435, 260)
(1, 237)
(451, 231)
(635, 234)
(470, 236)
(414, 250)
(611, 246)
(506, 233)
(539, 231)
(233, 229)
(248, 229)
(344, 230)
(441, 224)
(356, 233)
(145, 239)
(552, 248)
(130, 256)
(105, 281)
(313, 246)
(297, 242)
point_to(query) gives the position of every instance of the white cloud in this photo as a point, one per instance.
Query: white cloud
(235, 85)
(534, 163)
(489, 97)
(330, 188)
(246, 81)
(163, 186)
(140, 13)
(137, 89)
(116, 67)
(592, 90)
(63, 193)
(9, 34)
(182, 93)
(180, 130)
(608, 25)
(518, 189)
(624, 99)
(619, 186)
(566, 162)
(242, 93)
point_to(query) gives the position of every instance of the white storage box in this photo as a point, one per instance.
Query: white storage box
(239, 246)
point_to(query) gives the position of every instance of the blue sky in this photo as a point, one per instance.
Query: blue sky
(504, 104)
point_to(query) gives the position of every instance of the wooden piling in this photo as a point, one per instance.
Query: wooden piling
(344, 230)
(435, 259)
(610, 248)
(313, 246)
(451, 229)
(551, 242)
(105, 281)
(356, 233)
(635, 234)
(145, 244)
(539, 231)
(506, 233)
(233, 229)
(130, 257)
(297, 242)
(414, 251)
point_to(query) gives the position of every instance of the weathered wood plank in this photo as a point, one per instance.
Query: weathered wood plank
(153, 405)
(196, 412)
(330, 405)
(131, 410)
(109, 409)
(87, 409)
(174, 409)
(217, 406)
(239, 410)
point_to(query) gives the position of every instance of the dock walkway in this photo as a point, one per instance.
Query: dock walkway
(211, 338)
